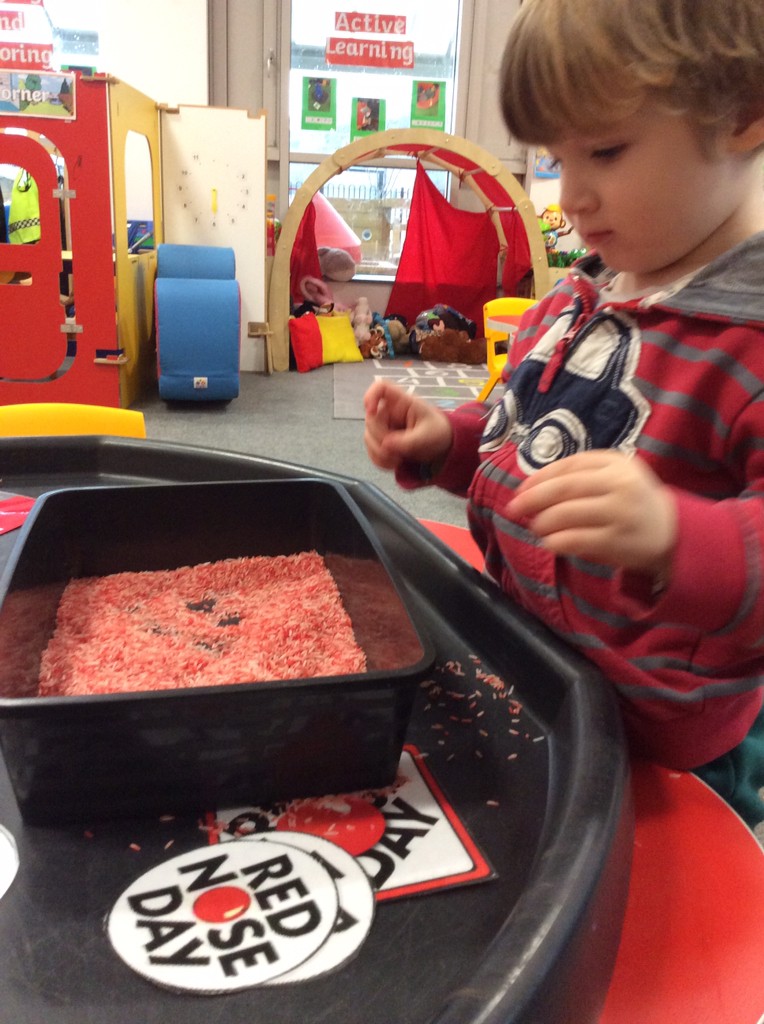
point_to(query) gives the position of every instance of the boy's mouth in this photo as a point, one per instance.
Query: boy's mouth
(594, 239)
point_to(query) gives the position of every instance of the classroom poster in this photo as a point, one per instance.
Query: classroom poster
(544, 164)
(37, 94)
(428, 105)
(319, 104)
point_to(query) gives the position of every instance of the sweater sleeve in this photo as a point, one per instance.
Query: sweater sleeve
(716, 583)
(468, 420)
(688, 598)
(456, 472)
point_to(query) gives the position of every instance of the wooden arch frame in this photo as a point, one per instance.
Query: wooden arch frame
(429, 146)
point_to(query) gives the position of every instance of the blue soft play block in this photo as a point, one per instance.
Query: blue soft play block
(196, 261)
(198, 319)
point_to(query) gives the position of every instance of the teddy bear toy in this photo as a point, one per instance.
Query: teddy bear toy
(437, 320)
(376, 347)
(452, 346)
(361, 320)
(399, 335)
(336, 264)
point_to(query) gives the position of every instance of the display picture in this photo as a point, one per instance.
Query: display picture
(544, 164)
(428, 105)
(319, 103)
(37, 94)
(368, 115)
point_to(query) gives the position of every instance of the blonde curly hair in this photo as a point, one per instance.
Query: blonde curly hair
(580, 65)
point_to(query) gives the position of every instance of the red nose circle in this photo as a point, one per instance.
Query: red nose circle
(225, 903)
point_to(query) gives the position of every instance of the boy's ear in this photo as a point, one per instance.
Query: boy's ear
(748, 137)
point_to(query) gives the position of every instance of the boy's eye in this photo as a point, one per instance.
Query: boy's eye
(609, 152)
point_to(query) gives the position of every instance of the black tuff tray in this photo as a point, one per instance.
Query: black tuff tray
(536, 945)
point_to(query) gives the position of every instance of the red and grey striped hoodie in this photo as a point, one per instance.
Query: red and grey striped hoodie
(676, 378)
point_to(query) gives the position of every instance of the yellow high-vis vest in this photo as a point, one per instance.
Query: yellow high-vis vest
(24, 216)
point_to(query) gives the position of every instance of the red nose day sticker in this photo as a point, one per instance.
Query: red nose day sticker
(214, 921)
(407, 838)
(356, 907)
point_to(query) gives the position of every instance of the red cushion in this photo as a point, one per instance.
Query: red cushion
(306, 342)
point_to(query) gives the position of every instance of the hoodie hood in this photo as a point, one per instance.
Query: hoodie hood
(729, 288)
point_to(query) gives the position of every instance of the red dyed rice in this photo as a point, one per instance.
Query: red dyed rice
(234, 621)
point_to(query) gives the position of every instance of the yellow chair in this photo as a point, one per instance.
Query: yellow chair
(505, 306)
(47, 418)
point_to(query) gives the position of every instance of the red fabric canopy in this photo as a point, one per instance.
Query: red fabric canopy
(517, 259)
(303, 261)
(449, 257)
(518, 254)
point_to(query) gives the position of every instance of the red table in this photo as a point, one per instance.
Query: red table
(692, 947)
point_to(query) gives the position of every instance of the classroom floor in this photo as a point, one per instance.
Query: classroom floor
(289, 417)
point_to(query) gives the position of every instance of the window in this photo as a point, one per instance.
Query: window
(76, 26)
(354, 73)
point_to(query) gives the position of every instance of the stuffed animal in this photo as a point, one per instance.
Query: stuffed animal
(361, 320)
(437, 320)
(451, 346)
(380, 335)
(382, 345)
(336, 264)
(376, 347)
(395, 333)
(400, 336)
(316, 291)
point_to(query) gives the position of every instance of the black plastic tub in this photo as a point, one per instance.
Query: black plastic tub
(75, 758)
(535, 945)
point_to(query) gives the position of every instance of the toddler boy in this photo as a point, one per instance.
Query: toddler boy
(617, 488)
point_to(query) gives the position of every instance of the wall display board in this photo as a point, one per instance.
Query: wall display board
(213, 186)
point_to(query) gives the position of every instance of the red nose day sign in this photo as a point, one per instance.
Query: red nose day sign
(286, 894)
(408, 838)
(9, 859)
(223, 919)
(355, 913)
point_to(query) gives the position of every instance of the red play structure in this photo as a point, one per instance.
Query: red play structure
(81, 351)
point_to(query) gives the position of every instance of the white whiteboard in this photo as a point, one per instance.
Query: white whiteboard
(213, 193)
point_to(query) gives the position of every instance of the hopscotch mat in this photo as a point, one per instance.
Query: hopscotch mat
(444, 384)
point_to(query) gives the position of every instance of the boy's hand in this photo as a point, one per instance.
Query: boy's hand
(400, 427)
(602, 506)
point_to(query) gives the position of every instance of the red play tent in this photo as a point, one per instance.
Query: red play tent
(450, 255)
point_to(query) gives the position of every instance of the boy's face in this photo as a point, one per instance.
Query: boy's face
(652, 200)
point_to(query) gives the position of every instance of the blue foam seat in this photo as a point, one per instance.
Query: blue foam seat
(197, 307)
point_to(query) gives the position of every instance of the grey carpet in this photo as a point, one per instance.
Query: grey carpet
(443, 384)
(289, 416)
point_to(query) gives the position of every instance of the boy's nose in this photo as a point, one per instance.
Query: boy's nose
(576, 194)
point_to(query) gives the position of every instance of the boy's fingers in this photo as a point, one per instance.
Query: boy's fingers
(582, 462)
(383, 391)
(546, 494)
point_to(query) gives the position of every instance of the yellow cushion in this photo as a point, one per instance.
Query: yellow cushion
(338, 340)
